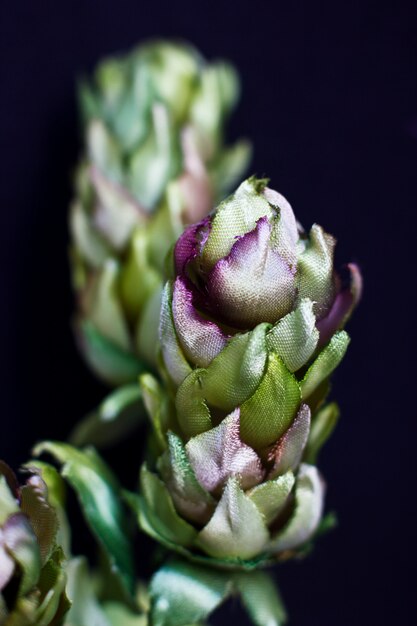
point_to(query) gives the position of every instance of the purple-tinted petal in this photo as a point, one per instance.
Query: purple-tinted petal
(253, 284)
(287, 453)
(201, 339)
(189, 244)
(342, 307)
(219, 453)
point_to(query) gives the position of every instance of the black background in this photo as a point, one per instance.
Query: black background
(330, 102)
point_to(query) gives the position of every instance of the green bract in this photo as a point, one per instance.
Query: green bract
(32, 575)
(154, 161)
(251, 329)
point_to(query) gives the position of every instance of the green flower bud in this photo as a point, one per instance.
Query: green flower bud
(155, 160)
(251, 329)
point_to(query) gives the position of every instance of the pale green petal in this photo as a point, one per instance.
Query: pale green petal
(269, 412)
(85, 609)
(192, 410)
(294, 338)
(271, 496)
(109, 362)
(103, 150)
(8, 503)
(328, 359)
(104, 307)
(322, 427)
(116, 212)
(191, 500)
(233, 376)
(147, 329)
(237, 529)
(157, 406)
(315, 270)
(309, 495)
(237, 215)
(88, 241)
(161, 510)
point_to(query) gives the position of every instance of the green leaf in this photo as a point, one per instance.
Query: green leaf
(328, 359)
(161, 510)
(111, 363)
(322, 426)
(192, 410)
(117, 416)
(99, 495)
(183, 593)
(261, 598)
(271, 409)
(294, 338)
(233, 376)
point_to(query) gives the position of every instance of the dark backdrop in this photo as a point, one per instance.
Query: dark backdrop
(329, 100)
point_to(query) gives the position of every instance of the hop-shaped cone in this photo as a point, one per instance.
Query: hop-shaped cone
(250, 332)
(32, 580)
(155, 160)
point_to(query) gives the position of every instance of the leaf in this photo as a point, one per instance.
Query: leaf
(183, 593)
(261, 598)
(99, 495)
(117, 416)
(328, 359)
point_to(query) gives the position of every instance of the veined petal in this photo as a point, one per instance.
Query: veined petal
(174, 358)
(234, 374)
(287, 453)
(342, 307)
(219, 453)
(253, 284)
(236, 529)
(294, 338)
(201, 339)
(309, 496)
(192, 411)
(266, 415)
(271, 496)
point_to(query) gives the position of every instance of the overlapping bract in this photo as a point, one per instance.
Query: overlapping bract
(155, 160)
(251, 329)
(32, 575)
